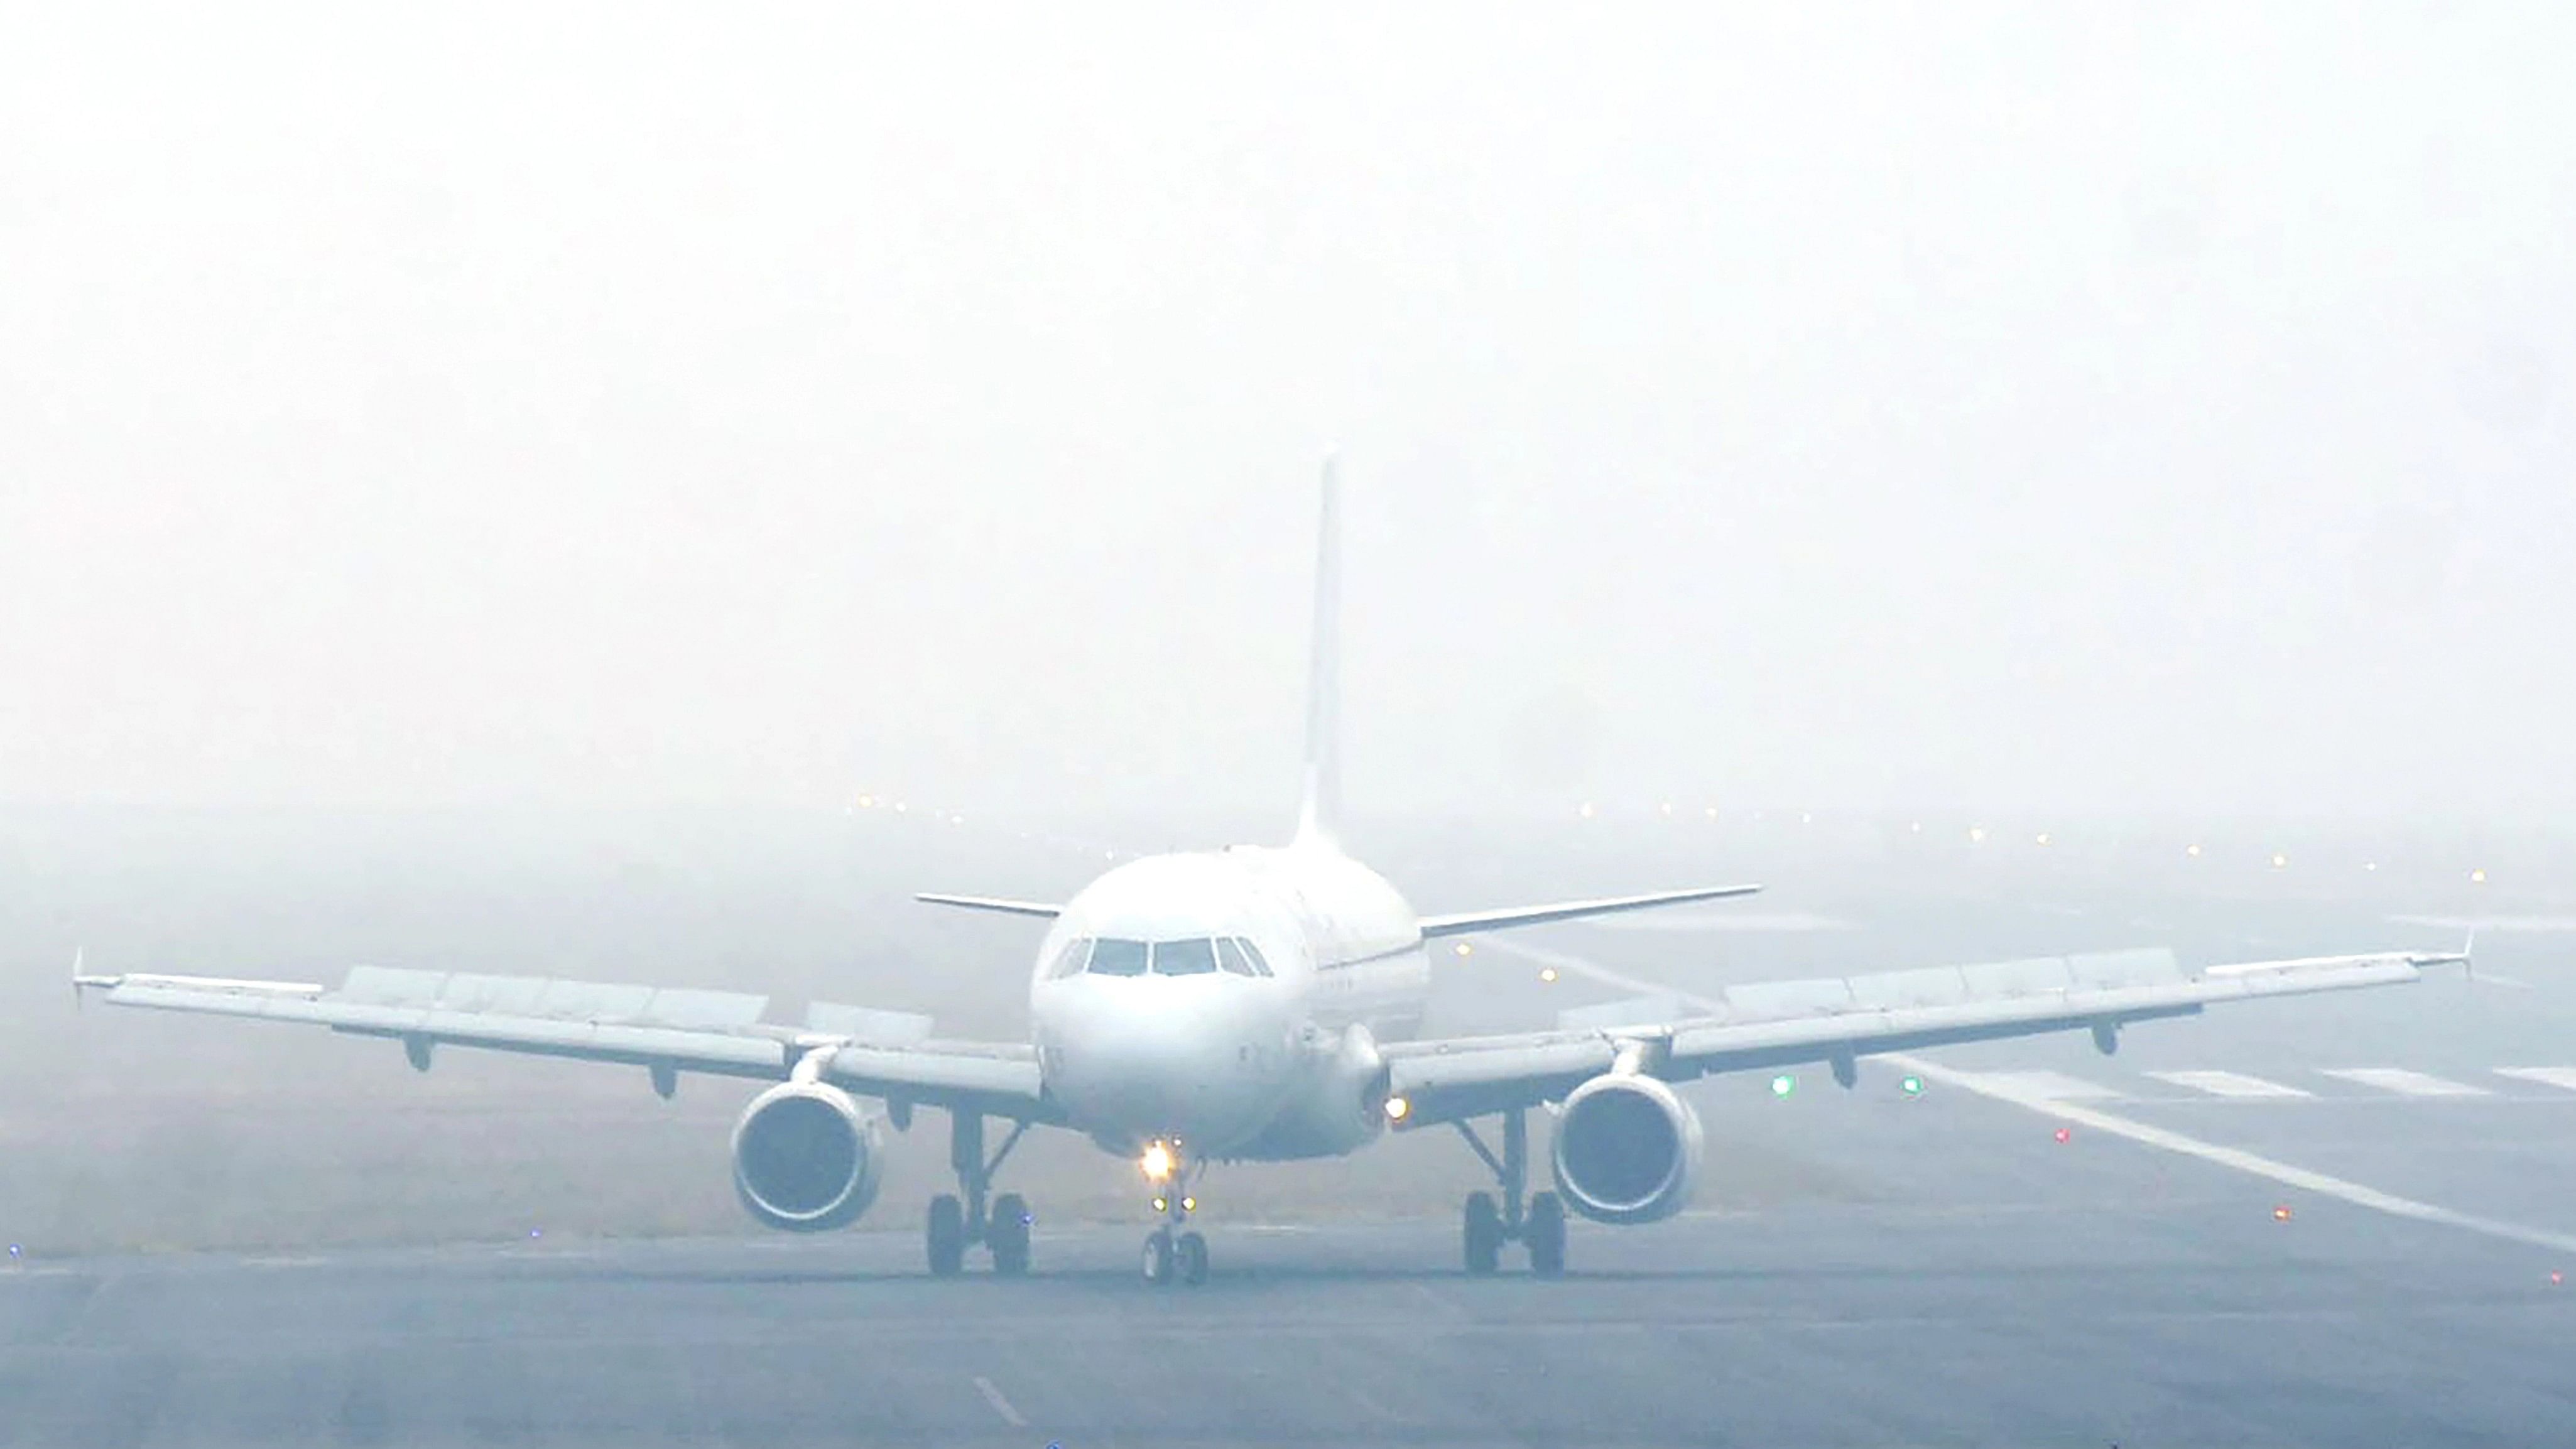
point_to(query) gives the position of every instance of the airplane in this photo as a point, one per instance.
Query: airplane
(1246, 1004)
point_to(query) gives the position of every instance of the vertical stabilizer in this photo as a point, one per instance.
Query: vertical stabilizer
(1319, 817)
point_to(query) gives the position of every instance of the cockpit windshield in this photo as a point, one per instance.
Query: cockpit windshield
(1110, 957)
(1190, 956)
(1184, 958)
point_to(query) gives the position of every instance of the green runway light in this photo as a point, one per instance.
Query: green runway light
(1783, 1084)
(1913, 1086)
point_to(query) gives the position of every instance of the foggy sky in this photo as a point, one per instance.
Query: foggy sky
(2065, 406)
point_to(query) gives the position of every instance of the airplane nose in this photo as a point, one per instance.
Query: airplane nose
(1188, 1059)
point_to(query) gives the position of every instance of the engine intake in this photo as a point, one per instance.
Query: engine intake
(806, 1157)
(1627, 1149)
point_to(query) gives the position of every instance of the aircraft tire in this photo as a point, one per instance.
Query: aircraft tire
(947, 1236)
(1546, 1234)
(1484, 1234)
(1009, 1235)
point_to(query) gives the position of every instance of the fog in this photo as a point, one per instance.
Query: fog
(2030, 408)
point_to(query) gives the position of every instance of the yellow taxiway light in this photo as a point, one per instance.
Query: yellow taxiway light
(1976, 834)
(867, 802)
(2192, 850)
(1586, 811)
(2478, 877)
(1396, 1107)
(2043, 837)
(2280, 861)
(1157, 1162)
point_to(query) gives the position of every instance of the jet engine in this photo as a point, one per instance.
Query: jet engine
(1627, 1149)
(806, 1157)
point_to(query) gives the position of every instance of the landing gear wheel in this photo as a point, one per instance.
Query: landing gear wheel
(1193, 1255)
(1008, 1235)
(1484, 1233)
(947, 1236)
(1546, 1234)
(1158, 1256)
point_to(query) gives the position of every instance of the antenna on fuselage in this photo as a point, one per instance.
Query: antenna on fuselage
(1319, 815)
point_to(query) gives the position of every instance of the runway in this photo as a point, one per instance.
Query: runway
(2201, 1321)
(1870, 1267)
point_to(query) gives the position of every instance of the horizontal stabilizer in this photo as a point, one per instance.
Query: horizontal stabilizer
(1466, 921)
(991, 903)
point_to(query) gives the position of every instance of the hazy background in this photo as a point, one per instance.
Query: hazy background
(2044, 407)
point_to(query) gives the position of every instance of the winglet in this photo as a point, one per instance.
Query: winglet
(2462, 958)
(1319, 815)
(83, 984)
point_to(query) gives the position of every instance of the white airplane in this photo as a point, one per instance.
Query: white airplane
(1245, 1004)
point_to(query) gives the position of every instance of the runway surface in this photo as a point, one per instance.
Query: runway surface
(2202, 1321)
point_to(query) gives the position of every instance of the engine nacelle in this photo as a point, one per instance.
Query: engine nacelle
(806, 1157)
(1627, 1149)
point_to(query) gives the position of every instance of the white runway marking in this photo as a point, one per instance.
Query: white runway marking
(2405, 1083)
(2546, 1076)
(2054, 1086)
(1001, 1406)
(2355, 1193)
(2229, 1084)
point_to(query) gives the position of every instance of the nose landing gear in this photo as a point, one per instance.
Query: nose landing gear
(1173, 1255)
(1538, 1221)
(1004, 1228)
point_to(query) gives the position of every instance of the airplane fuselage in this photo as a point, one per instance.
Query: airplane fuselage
(1228, 1000)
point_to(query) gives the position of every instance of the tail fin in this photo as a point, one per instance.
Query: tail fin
(1319, 816)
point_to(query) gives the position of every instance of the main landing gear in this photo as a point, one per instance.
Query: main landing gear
(1173, 1255)
(1540, 1222)
(953, 1224)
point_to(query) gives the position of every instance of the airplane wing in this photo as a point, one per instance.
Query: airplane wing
(1465, 921)
(884, 1054)
(1785, 1023)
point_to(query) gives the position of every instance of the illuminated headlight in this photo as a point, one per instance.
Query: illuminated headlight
(1157, 1162)
(1396, 1107)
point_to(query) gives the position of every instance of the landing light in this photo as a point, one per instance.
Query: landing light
(1396, 1107)
(1976, 833)
(2280, 861)
(1465, 950)
(2478, 877)
(1157, 1162)
(1547, 973)
(2043, 837)
(2192, 850)
(1162, 1203)
(1189, 1204)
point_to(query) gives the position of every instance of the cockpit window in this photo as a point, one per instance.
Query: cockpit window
(1184, 958)
(1070, 960)
(1252, 953)
(1234, 956)
(1117, 958)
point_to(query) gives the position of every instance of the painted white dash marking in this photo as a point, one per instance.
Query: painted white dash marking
(2546, 1076)
(2229, 1084)
(1001, 1406)
(2407, 1084)
(2045, 1086)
